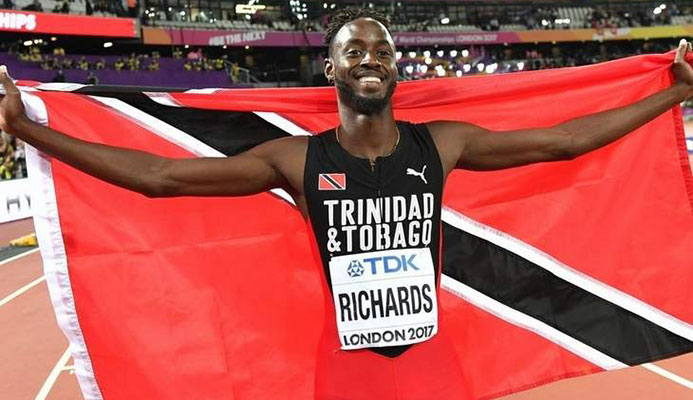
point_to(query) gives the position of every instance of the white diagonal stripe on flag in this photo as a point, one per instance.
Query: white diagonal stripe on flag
(282, 123)
(172, 134)
(577, 278)
(531, 324)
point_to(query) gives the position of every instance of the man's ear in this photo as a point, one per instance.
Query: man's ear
(329, 70)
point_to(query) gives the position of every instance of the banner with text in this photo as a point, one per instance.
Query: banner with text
(15, 200)
(199, 37)
(59, 24)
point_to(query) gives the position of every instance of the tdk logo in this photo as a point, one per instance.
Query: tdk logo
(355, 269)
(390, 264)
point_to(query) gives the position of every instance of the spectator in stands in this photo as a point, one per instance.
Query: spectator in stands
(19, 159)
(133, 62)
(34, 6)
(154, 65)
(62, 7)
(119, 64)
(177, 52)
(92, 79)
(67, 63)
(8, 4)
(101, 64)
(219, 63)
(58, 51)
(6, 157)
(47, 63)
(88, 9)
(59, 77)
(35, 54)
(83, 64)
(195, 55)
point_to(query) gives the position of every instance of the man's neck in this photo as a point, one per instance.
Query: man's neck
(367, 136)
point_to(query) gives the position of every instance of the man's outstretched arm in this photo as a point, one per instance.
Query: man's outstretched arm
(471, 147)
(154, 176)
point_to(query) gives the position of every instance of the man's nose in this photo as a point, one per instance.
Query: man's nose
(370, 59)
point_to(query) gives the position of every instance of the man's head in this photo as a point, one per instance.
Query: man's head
(361, 59)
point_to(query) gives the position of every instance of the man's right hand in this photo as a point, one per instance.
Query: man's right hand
(12, 113)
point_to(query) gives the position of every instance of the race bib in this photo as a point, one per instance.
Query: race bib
(384, 298)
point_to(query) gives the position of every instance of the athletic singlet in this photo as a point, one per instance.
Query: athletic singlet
(377, 233)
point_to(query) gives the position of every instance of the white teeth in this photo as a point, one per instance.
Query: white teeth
(369, 79)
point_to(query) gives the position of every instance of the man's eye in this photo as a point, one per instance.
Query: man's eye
(353, 52)
(384, 54)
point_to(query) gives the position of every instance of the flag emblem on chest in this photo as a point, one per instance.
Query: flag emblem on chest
(332, 182)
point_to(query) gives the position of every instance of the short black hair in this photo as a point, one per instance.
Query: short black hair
(346, 15)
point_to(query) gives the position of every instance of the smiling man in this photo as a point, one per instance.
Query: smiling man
(371, 191)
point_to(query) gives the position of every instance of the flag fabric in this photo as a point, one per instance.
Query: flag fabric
(550, 270)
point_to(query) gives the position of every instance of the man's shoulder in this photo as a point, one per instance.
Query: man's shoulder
(286, 145)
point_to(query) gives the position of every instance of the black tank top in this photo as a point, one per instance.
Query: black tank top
(377, 231)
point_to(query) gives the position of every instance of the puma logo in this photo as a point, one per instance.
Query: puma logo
(411, 171)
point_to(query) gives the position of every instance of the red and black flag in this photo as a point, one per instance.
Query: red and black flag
(549, 270)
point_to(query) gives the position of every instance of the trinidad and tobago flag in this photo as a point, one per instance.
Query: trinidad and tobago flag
(549, 271)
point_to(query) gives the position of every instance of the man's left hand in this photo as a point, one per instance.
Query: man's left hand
(683, 73)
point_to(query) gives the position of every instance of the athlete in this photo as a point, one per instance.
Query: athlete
(370, 190)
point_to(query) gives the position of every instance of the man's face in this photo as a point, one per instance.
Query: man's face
(363, 66)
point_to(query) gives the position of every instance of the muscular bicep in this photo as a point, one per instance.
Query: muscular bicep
(254, 171)
(232, 176)
(472, 147)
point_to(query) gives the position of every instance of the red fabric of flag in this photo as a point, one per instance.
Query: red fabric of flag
(220, 298)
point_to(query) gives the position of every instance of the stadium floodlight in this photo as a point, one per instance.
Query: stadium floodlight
(657, 11)
(544, 22)
(333, 5)
(453, 53)
(480, 67)
(426, 53)
(428, 60)
(445, 20)
(440, 70)
(247, 47)
(467, 67)
(409, 69)
(521, 65)
(440, 53)
(423, 69)
(465, 53)
(28, 43)
(412, 54)
(458, 73)
(663, 6)
(53, 38)
(224, 46)
(324, 5)
(186, 46)
(398, 55)
(107, 45)
(491, 68)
